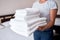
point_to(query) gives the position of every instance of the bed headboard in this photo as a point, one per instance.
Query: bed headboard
(4, 18)
(58, 16)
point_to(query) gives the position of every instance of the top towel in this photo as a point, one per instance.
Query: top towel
(27, 12)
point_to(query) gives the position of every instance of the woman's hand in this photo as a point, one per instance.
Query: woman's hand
(42, 28)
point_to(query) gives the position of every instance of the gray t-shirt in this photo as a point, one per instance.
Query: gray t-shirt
(45, 8)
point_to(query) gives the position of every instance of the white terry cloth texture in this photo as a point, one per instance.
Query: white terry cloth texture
(23, 29)
(31, 21)
(26, 17)
(27, 12)
(27, 25)
(26, 21)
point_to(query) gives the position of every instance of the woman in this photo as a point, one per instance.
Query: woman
(48, 9)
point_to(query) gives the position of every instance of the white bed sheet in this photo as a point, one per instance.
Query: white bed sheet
(8, 34)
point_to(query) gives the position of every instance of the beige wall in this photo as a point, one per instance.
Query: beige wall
(58, 2)
(9, 6)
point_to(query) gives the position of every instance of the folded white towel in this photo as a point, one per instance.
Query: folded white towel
(22, 28)
(26, 21)
(27, 11)
(21, 12)
(20, 32)
(35, 20)
(27, 17)
(32, 11)
(24, 32)
(36, 25)
(34, 29)
(25, 24)
(30, 19)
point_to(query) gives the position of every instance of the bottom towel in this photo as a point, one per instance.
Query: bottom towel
(25, 31)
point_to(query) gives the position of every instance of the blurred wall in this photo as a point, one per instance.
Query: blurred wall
(58, 2)
(9, 6)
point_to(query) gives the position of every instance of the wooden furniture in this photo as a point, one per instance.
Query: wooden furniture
(4, 18)
(57, 30)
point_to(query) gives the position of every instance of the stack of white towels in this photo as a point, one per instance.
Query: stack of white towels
(26, 21)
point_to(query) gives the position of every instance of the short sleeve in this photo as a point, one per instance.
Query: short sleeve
(53, 5)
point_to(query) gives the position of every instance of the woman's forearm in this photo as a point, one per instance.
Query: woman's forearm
(53, 14)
